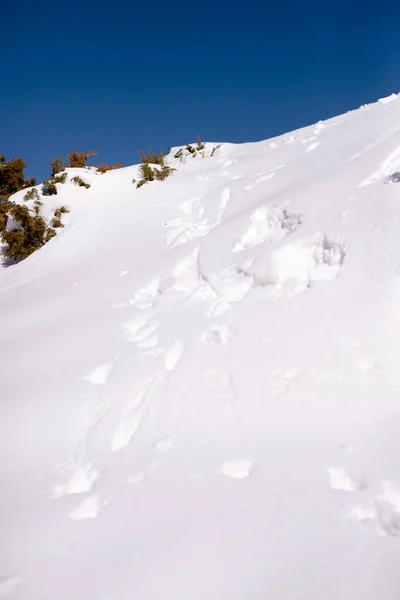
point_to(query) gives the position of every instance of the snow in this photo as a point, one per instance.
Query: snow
(200, 377)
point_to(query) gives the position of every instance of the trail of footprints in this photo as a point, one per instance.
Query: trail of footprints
(293, 268)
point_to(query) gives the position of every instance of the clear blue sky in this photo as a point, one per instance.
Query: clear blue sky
(119, 76)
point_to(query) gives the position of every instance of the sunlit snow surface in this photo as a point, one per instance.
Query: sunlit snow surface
(201, 378)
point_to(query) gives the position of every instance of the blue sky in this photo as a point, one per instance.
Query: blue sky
(116, 77)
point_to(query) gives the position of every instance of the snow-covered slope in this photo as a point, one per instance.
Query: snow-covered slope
(200, 379)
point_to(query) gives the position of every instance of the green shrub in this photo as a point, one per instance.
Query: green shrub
(27, 237)
(148, 174)
(58, 178)
(37, 204)
(31, 195)
(79, 181)
(154, 159)
(49, 189)
(56, 222)
(57, 166)
(12, 177)
(50, 233)
(28, 231)
(79, 159)
(103, 168)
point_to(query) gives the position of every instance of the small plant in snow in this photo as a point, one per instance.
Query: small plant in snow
(158, 173)
(12, 177)
(23, 229)
(57, 166)
(56, 220)
(194, 150)
(215, 150)
(58, 178)
(27, 234)
(154, 159)
(103, 168)
(48, 188)
(79, 181)
(79, 159)
(31, 195)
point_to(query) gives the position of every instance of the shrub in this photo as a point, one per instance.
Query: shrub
(56, 221)
(12, 177)
(4, 208)
(27, 237)
(28, 230)
(37, 204)
(31, 195)
(149, 174)
(49, 189)
(57, 165)
(79, 159)
(58, 178)
(154, 159)
(79, 181)
(103, 168)
(200, 144)
(50, 233)
(194, 151)
(215, 150)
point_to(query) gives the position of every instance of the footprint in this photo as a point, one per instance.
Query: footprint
(227, 163)
(135, 478)
(319, 127)
(260, 179)
(312, 146)
(198, 217)
(297, 266)
(140, 329)
(381, 516)
(225, 197)
(238, 469)
(282, 380)
(367, 363)
(230, 285)
(100, 375)
(89, 508)
(389, 167)
(140, 406)
(7, 585)
(144, 298)
(217, 334)
(173, 355)
(187, 273)
(164, 445)
(340, 479)
(124, 433)
(220, 383)
(268, 224)
(82, 480)
(289, 140)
